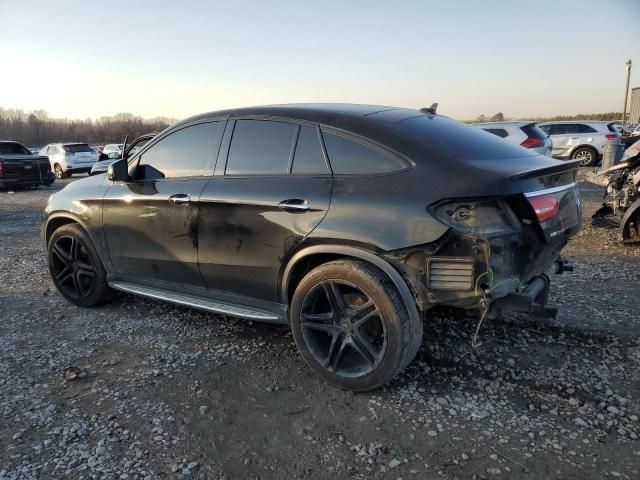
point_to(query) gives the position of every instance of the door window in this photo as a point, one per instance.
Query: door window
(350, 157)
(185, 153)
(582, 128)
(308, 158)
(260, 147)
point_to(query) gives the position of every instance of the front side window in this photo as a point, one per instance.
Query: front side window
(349, 157)
(308, 158)
(184, 153)
(260, 147)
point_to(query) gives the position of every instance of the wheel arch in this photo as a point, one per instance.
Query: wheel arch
(55, 221)
(585, 145)
(631, 212)
(310, 257)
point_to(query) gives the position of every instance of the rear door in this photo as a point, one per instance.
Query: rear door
(271, 189)
(563, 136)
(150, 223)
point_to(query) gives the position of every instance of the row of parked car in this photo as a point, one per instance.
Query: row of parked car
(581, 140)
(22, 166)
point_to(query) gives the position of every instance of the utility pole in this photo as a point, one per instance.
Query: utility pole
(626, 92)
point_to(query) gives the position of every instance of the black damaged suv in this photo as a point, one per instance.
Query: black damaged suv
(347, 222)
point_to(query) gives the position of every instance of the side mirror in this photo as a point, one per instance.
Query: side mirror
(118, 171)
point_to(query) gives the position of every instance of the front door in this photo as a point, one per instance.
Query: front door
(150, 223)
(274, 191)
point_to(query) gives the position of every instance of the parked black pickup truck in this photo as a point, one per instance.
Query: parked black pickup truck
(20, 167)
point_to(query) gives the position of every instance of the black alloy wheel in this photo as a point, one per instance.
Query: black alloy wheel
(352, 326)
(72, 268)
(343, 328)
(75, 267)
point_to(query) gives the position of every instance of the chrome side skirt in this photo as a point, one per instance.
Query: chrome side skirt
(195, 302)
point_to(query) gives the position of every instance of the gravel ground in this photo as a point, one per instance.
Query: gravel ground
(140, 389)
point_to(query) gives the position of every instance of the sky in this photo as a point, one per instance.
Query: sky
(81, 59)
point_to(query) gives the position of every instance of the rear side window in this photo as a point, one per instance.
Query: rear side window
(614, 127)
(582, 128)
(499, 132)
(308, 158)
(79, 148)
(184, 153)
(349, 157)
(260, 147)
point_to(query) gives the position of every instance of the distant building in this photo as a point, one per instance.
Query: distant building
(634, 111)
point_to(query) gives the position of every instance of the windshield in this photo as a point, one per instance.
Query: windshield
(13, 148)
(460, 140)
(78, 148)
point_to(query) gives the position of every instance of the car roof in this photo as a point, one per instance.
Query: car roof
(505, 123)
(328, 113)
(604, 122)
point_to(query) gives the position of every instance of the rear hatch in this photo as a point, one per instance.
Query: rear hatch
(80, 153)
(553, 199)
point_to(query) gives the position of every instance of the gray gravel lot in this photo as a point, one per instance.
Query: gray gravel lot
(167, 392)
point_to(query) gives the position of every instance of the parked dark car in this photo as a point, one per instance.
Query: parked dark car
(19, 167)
(348, 222)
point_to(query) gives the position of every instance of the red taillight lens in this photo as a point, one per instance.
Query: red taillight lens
(611, 136)
(1, 168)
(532, 142)
(545, 206)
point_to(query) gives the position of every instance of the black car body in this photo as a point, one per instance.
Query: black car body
(20, 167)
(232, 211)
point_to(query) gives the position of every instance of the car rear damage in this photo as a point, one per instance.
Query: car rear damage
(501, 252)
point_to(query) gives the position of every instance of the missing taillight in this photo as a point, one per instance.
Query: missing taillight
(545, 206)
(1, 168)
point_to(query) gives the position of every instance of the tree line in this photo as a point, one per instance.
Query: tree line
(499, 117)
(36, 128)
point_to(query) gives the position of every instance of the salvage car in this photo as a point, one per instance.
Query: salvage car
(349, 223)
(19, 167)
(520, 132)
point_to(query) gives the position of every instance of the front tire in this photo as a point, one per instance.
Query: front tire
(586, 155)
(351, 326)
(75, 267)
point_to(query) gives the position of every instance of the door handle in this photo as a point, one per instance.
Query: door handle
(180, 199)
(295, 205)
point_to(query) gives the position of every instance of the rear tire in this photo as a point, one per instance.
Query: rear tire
(58, 172)
(351, 325)
(76, 268)
(586, 155)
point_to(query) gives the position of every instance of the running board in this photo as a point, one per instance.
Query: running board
(195, 302)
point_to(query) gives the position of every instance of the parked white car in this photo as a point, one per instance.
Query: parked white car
(580, 140)
(113, 148)
(521, 132)
(69, 158)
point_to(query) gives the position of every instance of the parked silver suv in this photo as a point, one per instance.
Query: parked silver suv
(519, 132)
(580, 139)
(69, 158)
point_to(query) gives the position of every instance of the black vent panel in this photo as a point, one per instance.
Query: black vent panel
(450, 273)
